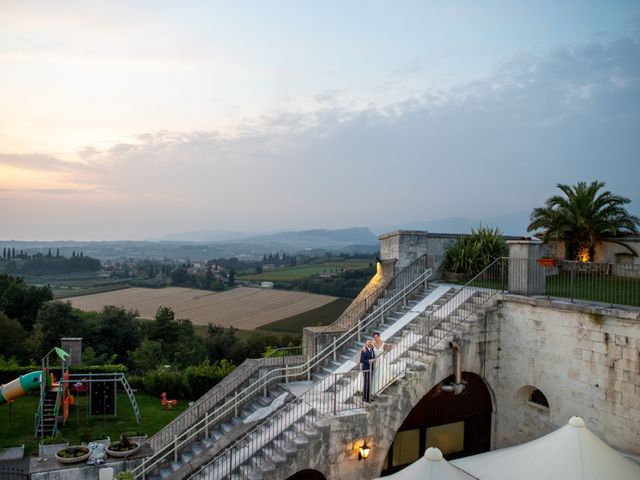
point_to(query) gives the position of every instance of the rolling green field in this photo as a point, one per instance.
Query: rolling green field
(289, 274)
(19, 429)
(75, 284)
(293, 325)
(313, 318)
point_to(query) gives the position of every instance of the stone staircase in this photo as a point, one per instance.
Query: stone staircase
(290, 428)
(223, 435)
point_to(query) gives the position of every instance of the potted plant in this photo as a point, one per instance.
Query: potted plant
(73, 454)
(547, 261)
(50, 445)
(122, 447)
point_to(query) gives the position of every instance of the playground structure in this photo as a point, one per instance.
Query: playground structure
(56, 396)
(19, 387)
(167, 404)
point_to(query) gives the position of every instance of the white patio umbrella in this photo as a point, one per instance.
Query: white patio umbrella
(430, 467)
(571, 452)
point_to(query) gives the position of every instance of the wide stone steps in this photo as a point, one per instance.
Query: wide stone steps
(271, 445)
(218, 433)
(275, 449)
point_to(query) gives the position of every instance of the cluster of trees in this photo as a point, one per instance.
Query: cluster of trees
(159, 353)
(43, 264)
(345, 284)
(280, 259)
(180, 277)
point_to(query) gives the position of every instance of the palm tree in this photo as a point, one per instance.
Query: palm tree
(583, 217)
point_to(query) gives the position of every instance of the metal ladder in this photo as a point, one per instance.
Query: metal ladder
(130, 394)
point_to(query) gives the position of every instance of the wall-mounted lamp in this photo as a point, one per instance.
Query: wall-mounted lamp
(363, 451)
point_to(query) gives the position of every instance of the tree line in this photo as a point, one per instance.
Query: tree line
(43, 264)
(157, 353)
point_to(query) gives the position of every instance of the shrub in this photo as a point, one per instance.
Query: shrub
(165, 379)
(200, 378)
(473, 253)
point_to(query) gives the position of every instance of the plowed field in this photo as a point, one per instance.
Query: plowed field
(242, 307)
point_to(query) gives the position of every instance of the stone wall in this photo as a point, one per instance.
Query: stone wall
(604, 252)
(584, 358)
(335, 455)
(408, 245)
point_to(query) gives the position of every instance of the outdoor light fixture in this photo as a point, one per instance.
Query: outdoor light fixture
(363, 451)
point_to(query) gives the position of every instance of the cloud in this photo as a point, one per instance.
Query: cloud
(36, 162)
(491, 147)
(63, 191)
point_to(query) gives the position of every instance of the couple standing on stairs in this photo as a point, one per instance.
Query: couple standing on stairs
(370, 356)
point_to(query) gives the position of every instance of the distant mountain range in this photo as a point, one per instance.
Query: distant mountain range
(207, 244)
(330, 239)
(348, 238)
(318, 238)
(513, 224)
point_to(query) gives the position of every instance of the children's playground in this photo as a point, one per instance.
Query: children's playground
(51, 403)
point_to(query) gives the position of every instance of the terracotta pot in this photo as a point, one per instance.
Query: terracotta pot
(547, 262)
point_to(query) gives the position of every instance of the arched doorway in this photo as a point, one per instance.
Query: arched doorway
(459, 425)
(307, 475)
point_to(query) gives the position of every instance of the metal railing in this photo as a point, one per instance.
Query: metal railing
(104, 377)
(613, 284)
(335, 393)
(609, 283)
(232, 406)
(360, 307)
(321, 398)
(165, 440)
(431, 328)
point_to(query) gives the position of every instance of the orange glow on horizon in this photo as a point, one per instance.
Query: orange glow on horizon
(15, 178)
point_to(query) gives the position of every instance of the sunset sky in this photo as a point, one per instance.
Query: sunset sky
(133, 119)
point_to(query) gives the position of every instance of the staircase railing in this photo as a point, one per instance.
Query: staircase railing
(304, 411)
(317, 398)
(440, 323)
(359, 308)
(261, 385)
(165, 439)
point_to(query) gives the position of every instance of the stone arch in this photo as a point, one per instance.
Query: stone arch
(307, 474)
(531, 400)
(460, 425)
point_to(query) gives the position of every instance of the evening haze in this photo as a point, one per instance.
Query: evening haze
(131, 120)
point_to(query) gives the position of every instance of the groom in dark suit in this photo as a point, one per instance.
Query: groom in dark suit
(367, 359)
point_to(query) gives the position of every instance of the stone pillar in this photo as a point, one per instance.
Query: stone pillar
(403, 245)
(525, 276)
(73, 346)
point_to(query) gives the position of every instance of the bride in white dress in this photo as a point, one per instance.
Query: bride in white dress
(380, 366)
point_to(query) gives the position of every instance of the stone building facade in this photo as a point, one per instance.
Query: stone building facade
(585, 359)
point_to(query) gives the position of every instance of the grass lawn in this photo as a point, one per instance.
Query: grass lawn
(607, 289)
(319, 316)
(79, 428)
(596, 288)
(289, 274)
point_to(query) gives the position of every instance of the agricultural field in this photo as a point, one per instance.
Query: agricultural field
(289, 274)
(241, 307)
(74, 284)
